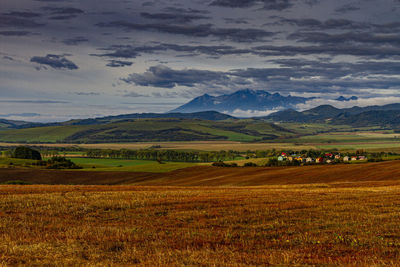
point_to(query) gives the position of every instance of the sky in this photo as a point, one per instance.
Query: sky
(64, 59)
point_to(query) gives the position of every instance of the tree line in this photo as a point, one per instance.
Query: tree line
(163, 155)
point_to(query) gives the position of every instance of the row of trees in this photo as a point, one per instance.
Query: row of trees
(163, 155)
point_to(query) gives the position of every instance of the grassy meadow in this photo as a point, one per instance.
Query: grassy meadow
(89, 164)
(322, 224)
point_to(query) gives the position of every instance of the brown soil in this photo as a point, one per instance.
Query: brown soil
(216, 176)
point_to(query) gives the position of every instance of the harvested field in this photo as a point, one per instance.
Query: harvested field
(199, 226)
(216, 176)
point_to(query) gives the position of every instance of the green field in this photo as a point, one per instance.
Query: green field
(8, 162)
(90, 164)
(105, 163)
(52, 134)
(128, 165)
(184, 130)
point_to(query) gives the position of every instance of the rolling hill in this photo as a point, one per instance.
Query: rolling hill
(143, 130)
(11, 124)
(388, 115)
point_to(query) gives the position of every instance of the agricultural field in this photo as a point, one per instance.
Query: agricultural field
(384, 140)
(321, 224)
(97, 165)
(349, 137)
(189, 174)
(383, 145)
(194, 214)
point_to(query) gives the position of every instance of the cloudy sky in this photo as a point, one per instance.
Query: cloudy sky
(63, 59)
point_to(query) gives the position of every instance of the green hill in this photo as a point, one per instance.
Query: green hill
(387, 115)
(143, 130)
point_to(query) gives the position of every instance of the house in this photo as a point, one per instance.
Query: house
(319, 160)
(337, 156)
(329, 155)
(346, 158)
(362, 158)
(328, 161)
(309, 160)
(290, 158)
(280, 158)
(283, 154)
(353, 158)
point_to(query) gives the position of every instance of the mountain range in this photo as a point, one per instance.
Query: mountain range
(200, 126)
(387, 115)
(242, 100)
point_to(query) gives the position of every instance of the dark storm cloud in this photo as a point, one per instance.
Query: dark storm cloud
(75, 41)
(63, 10)
(23, 14)
(234, 3)
(54, 1)
(176, 15)
(118, 63)
(393, 27)
(348, 37)
(148, 4)
(236, 21)
(295, 73)
(8, 58)
(179, 10)
(162, 76)
(347, 8)
(330, 49)
(15, 33)
(129, 51)
(332, 46)
(202, 30)
(314, 24)
(55, 61)
(63, 17)
(268, 4)
(17, 22)
(341, 69)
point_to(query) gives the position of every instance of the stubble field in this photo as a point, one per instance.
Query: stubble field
(321, 224)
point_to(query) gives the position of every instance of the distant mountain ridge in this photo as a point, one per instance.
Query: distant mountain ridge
(387, 115)
(242, 100)
(205, 115)
(356, 116)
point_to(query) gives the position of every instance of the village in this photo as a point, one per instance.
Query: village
(326, 158)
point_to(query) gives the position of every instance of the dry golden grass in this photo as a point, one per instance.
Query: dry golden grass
(322, 224)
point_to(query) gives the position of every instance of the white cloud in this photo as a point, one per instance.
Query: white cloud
(252, 113)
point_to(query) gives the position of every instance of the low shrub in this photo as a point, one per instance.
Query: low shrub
(250, 164)
(223, 164)
(61, 163)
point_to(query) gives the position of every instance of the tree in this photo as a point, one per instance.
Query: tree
(23, 152)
